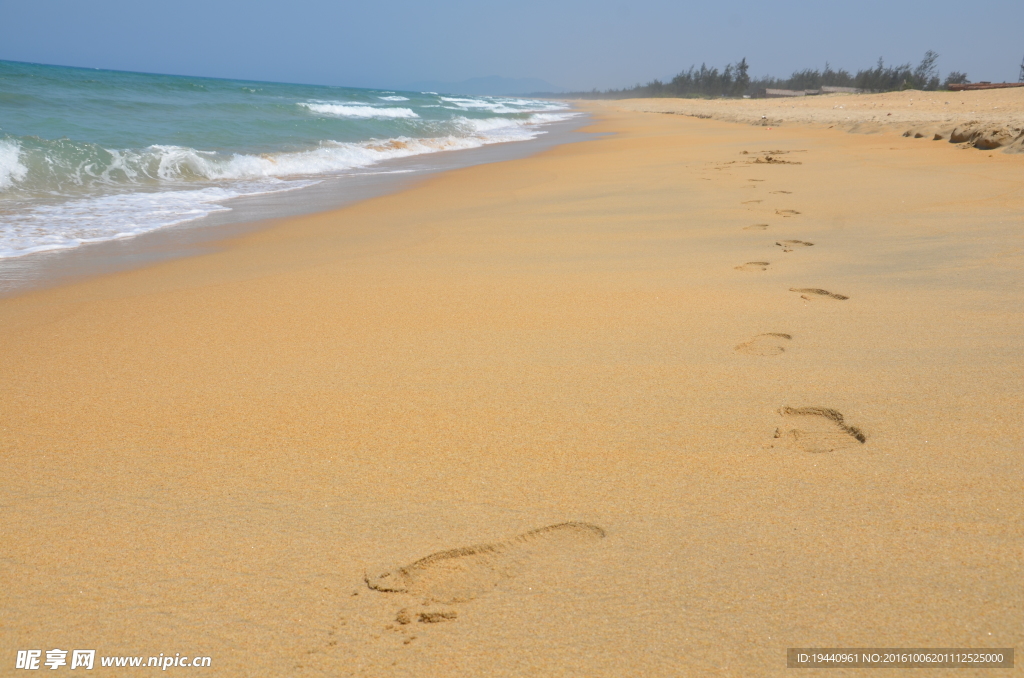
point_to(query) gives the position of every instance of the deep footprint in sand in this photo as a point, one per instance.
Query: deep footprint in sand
(817, 293)
(462, 574)
(787, 213)
(818, 430)
(754, 266)
(756, 227)
(769, 343)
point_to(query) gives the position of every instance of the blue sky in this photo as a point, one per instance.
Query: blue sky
(570, 43)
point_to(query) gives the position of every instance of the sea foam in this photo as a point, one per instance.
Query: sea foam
(11, 170)
(75, 169)
(110, 217)
(345, 110)
(107, 217)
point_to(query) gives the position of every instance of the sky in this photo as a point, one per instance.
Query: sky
(573, 44)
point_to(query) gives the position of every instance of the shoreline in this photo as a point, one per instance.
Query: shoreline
(692, 409)
(42, 270)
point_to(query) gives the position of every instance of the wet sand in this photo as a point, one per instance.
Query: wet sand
(646, 405)
(243, 215)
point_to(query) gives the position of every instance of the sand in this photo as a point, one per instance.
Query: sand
(665, 402)
(989, 119)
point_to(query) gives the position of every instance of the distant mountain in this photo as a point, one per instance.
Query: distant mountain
(494, 84)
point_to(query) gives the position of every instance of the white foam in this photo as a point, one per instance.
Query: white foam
(510, 126)
(176, 163)
(111, 217)
(478, 104)
(343, 110)
(11, 170)
(174, 184)
(394, 98)
(501, 105)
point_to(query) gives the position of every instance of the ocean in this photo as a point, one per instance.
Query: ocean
(91, 155)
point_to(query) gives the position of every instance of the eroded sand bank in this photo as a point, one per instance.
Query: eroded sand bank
(648, 405)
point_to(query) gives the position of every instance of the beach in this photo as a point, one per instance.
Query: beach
(667, 401)
(985, 119)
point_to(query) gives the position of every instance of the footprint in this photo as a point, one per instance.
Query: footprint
(405, 617)
(818, 429)
(786, 213)
(462, 574)
(788, 245)
(774, 160)
(784, 192)
(754, 266)
(769, 343)
(804, 291)
(756, 227)
(754, 179)
(751, 202)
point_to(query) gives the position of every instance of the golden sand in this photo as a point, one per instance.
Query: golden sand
(777, 402)
(898, 111)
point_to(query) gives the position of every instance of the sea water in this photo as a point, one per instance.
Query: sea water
(91, 155)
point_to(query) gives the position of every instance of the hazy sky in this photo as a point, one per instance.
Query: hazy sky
(570, 43)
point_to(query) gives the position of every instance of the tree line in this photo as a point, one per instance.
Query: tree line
(734, 81)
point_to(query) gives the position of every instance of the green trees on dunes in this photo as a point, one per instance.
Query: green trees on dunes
(735, 81)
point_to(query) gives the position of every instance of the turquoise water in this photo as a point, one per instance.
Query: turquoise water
(90, 155)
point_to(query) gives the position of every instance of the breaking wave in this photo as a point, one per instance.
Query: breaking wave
(74, 168)
(357, 111)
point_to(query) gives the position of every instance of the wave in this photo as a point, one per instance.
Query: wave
(492, 125)
(495, 105)
(77, 222)
(58, 192)
(343, 110)
(157, 187)
(30, 166)
(11, 170)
